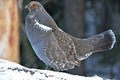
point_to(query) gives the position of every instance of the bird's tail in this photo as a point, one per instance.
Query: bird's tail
(103, 41)
(100, 42)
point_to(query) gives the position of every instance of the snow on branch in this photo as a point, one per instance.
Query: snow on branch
(13, 71)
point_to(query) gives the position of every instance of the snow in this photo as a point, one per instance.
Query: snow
(13, 71)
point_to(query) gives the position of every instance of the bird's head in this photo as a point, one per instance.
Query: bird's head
(34, 5)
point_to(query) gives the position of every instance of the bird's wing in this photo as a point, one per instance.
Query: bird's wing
(55, 55)
(67, 45)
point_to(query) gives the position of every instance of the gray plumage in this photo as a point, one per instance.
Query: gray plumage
(57, 48)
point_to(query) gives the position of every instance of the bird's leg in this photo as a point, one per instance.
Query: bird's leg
(47, 67)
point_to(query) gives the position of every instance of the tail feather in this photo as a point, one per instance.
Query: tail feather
(103, 41)
(100, 42)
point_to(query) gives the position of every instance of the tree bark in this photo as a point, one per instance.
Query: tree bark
(74, 17)
(102, 17)
(9, 23)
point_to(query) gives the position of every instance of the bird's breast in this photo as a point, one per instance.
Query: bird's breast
(37, 40)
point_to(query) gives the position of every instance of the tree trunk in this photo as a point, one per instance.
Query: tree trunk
(75, 25)
(9, 23)
(74, 17)
(102, 18)
(111, 72)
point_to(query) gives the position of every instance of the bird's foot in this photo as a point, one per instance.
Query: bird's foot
(47, 67)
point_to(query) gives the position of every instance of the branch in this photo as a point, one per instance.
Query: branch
(13, 71)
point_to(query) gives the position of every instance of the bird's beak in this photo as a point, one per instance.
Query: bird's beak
(27, 7)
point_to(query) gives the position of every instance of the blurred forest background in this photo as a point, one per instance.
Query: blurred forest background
(80, 18)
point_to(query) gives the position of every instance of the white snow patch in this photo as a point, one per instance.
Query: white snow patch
(13, 71)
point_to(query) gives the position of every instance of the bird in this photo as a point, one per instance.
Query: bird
(56, 48)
